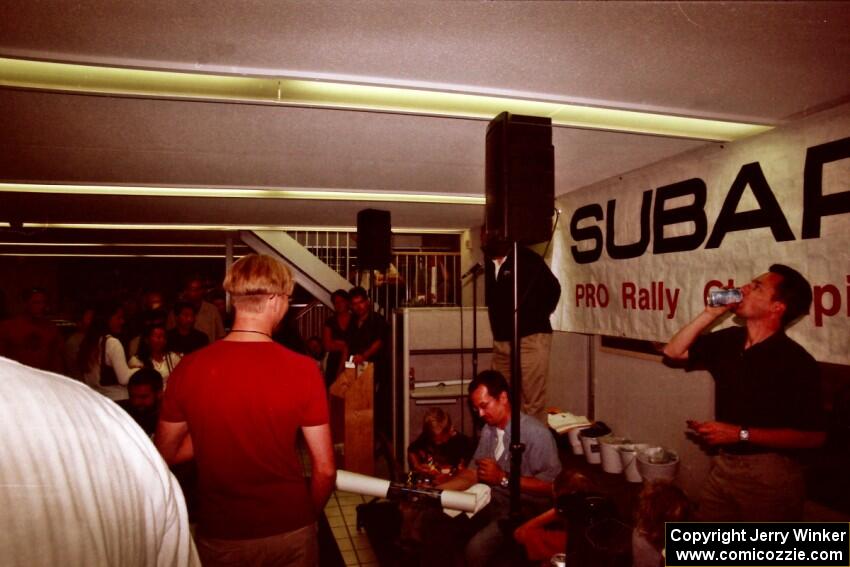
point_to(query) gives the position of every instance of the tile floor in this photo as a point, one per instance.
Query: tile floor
(341, 512)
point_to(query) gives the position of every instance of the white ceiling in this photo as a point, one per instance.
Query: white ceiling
(760, 62)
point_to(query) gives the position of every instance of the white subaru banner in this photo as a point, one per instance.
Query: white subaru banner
(637, 255)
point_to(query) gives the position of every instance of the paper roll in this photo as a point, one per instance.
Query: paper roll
(362, 484)
(454, 500)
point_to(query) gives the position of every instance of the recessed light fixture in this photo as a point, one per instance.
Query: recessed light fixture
(294, 91)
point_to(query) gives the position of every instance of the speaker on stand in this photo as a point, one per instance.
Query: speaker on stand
(520, 191)
(519, 179)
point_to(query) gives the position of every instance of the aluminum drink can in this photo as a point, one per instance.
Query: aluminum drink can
(717, 297)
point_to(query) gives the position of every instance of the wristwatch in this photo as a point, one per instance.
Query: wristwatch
(744, 434)
(504, 482)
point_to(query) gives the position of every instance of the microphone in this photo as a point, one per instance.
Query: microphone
(477, 268)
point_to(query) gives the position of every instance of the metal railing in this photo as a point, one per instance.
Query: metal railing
(413, 279)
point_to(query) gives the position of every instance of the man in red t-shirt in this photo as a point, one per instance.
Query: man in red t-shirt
(237, 407)
(31, 338)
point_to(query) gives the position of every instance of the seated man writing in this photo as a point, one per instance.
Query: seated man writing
(491, 465)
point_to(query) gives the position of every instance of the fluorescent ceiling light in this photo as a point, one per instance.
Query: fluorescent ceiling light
(247, 193)
(67, 77)
(227, 227)
(114, 245)
(73, 255)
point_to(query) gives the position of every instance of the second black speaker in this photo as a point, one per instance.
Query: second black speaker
(374, 239)
(520, 178)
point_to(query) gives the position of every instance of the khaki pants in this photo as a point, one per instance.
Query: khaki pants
(766, 487)
(534, 360)
(298, 548)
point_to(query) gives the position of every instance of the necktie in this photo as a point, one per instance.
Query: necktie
(500, 443)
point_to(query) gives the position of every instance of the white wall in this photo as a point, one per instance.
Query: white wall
(568, 371)
(470, 253)
(638, 398)
(649, 402)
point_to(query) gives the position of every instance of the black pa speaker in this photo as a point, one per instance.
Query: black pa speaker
(520, 178)
(374, 239)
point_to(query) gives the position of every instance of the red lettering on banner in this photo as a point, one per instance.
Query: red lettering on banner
(602, 295)
(629, 295)
(820, 309)
(592, 295)
(656, 297)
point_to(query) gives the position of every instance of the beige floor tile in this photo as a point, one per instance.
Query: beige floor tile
(348, 510)
(335, 521)
(361, 541)
(345, 544)
(333, 511)
(350, 558)
(339, 532)
(366, 555)
(350, 500)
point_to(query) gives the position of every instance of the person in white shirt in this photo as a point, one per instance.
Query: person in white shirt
(101, 355)
(81, 484)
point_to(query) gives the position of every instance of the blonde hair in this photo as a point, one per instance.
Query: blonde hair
(256, 275)
(435, 421)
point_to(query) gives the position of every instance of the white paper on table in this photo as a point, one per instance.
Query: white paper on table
(562, 422)
(452, 500)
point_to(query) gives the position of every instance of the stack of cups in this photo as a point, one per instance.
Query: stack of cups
(628, 455)
(610, 449)
(590, 441)
(575, 442)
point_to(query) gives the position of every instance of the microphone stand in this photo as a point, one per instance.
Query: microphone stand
(475, 275)
(475, 271)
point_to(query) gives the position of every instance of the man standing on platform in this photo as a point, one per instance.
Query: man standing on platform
(538, 294)
(238, 406)
(367, 342)
(491, 464)
(767, 400)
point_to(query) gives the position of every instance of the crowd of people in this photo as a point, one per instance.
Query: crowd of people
(113, 338)
(235, 403)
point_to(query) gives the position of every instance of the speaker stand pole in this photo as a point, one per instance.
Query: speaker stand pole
(475, 275)
(517, 447)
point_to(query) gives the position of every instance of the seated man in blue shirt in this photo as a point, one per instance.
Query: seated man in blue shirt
(491, 465)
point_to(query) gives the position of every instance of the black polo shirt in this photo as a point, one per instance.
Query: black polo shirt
(773, 384)
(361, 336)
